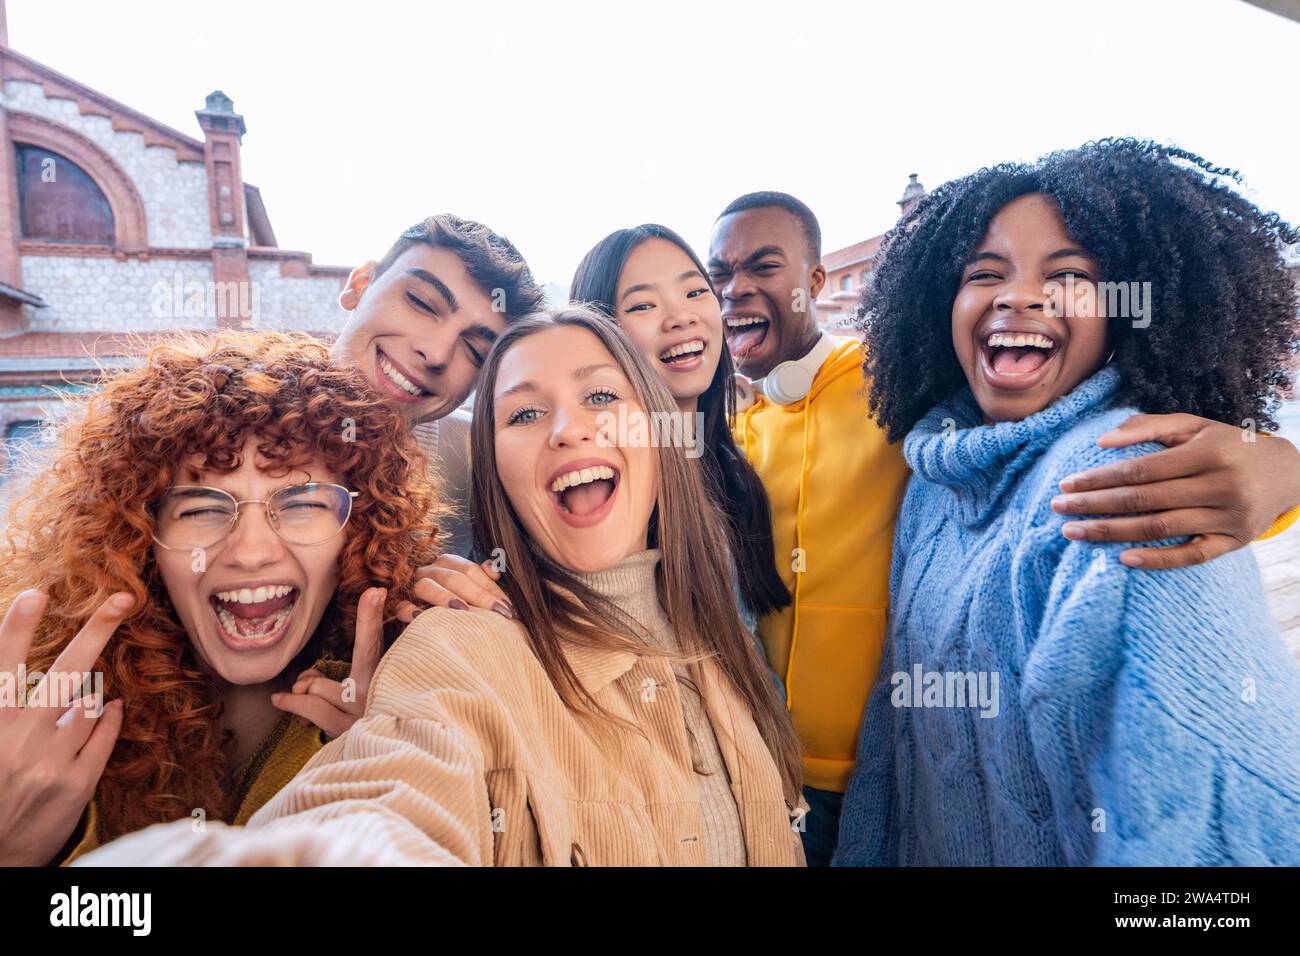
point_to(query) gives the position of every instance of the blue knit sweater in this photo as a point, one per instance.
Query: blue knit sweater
(1058, 707)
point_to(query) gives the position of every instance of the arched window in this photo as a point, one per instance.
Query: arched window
(58, 201)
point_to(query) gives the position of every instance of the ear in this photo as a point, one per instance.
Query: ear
(357, 282)
(816, 281)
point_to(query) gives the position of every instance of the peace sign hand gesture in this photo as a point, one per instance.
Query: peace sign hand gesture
(332, 705)
(52, 752)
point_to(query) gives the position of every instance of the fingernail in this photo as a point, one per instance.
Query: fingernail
(456, 604)
(1132, 560)
(275, 698)
(1072, 530)
(29, 601)
(502, 608)
(121, 602)
(1068, 484)
(1061, 502)
(378, 595)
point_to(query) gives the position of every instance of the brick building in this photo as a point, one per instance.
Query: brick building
(112, 222)
(849, 268)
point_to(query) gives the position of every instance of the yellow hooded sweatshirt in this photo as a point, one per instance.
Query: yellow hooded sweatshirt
(835, 486)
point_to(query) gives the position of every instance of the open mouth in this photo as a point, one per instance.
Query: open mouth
(745, 333)
(684, 355)
(584, 492)
(396, 382)
(254, 617)
(1017, 359)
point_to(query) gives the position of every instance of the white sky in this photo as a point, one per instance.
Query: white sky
(558, 122)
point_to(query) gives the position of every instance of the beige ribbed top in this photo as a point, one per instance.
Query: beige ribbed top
(630, 586)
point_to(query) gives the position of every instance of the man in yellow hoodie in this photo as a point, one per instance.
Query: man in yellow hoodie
(835, 485)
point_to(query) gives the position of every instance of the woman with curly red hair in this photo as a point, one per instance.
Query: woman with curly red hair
(213, 522)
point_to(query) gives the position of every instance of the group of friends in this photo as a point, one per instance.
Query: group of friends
(890, 613)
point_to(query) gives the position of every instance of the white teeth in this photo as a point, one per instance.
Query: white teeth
(1017, 340)
(581, 476)
(231, 623)
(686, 348)
(400, 380)
(265, 592)
(745, 320)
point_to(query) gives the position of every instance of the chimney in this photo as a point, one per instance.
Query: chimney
(223, 130)
(912, 194)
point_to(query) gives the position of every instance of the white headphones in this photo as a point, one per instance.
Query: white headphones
(791, 381)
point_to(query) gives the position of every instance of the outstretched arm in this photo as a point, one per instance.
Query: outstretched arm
(390, 792)
(405, 785)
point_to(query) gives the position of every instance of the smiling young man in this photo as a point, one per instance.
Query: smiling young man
(422, 321)
(835, 484)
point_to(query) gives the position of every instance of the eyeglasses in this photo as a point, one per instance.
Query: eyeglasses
(194, 516)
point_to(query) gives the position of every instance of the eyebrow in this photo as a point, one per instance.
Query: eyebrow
(1071, 251)
(1066, 253)
(199, 492)
(578, 374)
(642, 286)
(424, 275)
(752, 258)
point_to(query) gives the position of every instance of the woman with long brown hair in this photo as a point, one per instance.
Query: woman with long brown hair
(622, 717)
(213, 522)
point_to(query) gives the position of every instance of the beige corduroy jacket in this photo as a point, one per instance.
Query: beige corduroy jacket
(467, 755)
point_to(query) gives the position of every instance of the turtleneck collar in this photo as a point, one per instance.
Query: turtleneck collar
(951, 447)
(629, 585)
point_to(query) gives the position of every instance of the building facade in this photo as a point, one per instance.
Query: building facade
(849, 269)
(116, 229)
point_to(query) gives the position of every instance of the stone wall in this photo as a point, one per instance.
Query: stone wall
(301, 303)
(175, 194)
(99, 293)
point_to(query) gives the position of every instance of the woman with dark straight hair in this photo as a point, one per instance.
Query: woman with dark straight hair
(653, 284)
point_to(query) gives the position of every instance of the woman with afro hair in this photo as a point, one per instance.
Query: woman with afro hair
(1042, 702)
(220, 531)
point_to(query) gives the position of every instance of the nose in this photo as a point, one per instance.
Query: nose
(737, 287)
(436, 351)
(572, 426)
(253, 543)
(1021, 295)
(680, 316)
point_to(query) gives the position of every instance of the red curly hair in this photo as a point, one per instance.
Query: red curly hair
(84, 531)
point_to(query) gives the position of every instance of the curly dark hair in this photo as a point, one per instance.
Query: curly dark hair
(1225, 308)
